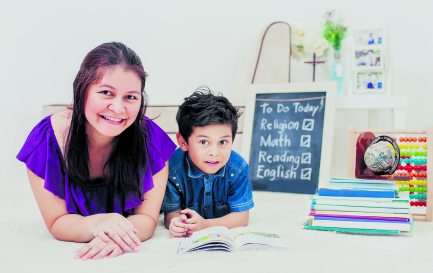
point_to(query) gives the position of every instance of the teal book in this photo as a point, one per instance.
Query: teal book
(353, 230)
(360, 181)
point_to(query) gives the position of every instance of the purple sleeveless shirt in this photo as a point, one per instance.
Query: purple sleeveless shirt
(42, 155)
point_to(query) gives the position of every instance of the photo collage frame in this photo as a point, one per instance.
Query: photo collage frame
(369, 62)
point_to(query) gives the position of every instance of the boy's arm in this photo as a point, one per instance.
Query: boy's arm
(196, 222)
(233, 219)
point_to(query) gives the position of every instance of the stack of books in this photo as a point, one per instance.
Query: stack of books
(360, 206)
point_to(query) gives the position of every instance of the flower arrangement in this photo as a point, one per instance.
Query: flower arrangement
(306, 41)
(334, 30)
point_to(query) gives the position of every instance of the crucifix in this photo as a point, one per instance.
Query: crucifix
(314, 62)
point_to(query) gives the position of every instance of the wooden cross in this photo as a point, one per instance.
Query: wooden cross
(314, 62)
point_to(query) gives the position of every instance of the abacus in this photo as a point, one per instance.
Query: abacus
(414, 174)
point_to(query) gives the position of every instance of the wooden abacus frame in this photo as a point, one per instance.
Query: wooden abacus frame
(353, 136)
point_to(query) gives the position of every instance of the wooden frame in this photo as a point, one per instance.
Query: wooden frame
(329, 89)
(353, 136)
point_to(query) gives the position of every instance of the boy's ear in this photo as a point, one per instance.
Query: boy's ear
(182, 142)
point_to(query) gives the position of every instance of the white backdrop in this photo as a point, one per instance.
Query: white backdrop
(183, 44)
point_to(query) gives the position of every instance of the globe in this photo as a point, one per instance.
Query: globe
(379, 157)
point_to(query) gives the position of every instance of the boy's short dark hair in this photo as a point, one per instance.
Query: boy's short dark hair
(204, 108)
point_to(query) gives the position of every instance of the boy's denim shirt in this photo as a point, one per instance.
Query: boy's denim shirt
(211, 195)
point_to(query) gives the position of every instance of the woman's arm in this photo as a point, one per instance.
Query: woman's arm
(73, 227)
(146, 215)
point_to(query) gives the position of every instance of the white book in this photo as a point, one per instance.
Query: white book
(358, 208)
(220, 238)
(403, 226)
(403, 200)
(362, 203)
(357, 213)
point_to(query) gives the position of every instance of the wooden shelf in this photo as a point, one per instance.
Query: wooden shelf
(397, 104)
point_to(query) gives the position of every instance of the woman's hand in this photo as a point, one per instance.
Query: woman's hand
(118, 229)
(194, 221)
(97, 248)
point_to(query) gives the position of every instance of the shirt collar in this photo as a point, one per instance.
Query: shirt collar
(195, 172)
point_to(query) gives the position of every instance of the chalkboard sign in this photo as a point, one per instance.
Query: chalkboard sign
(287, 136)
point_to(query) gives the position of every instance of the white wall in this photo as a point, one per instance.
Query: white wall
(183, 44)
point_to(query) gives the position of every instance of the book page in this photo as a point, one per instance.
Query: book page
(209, 239)
(253, 239)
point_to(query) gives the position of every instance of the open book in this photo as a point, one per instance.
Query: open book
(223, 239)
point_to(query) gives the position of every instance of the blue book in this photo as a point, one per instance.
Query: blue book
(356, 193)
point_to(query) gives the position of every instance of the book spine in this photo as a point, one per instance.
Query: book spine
(358, 209)
(361, 219)
(359, 203)
(363, 225)
(356, 193)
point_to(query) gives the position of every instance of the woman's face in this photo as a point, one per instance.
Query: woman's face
(113, 103)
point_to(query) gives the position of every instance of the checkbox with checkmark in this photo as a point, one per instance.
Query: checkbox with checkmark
(308, 124)
(305, 141)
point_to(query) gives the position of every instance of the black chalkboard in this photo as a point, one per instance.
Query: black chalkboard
(287, 140)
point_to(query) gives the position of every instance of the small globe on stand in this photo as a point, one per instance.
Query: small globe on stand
(380, 157)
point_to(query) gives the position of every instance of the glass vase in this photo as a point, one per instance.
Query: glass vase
(337, 72)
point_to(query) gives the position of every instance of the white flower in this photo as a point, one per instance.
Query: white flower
(306, 41)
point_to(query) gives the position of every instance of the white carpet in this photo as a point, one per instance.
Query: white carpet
(26, 246)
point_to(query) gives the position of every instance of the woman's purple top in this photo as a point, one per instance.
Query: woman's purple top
(42, 155)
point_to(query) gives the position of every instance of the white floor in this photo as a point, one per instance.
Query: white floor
(26, 246)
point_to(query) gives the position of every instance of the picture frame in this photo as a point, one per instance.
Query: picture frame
(369, 37)
(285, 126)
(369, 61)
(368, 58)
(370, 82)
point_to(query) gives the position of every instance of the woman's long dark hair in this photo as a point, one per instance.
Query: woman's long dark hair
(129, 157)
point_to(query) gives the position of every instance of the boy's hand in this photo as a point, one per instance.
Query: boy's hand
(178, 228)
(194, 221)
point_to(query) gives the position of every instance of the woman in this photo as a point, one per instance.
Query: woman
(99, 172)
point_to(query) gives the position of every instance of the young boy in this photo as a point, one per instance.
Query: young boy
(208, 183)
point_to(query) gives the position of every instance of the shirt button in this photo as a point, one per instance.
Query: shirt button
(208, 193)
(206, 176)
(206, 207)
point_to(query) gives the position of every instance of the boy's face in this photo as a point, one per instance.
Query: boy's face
(208, 147)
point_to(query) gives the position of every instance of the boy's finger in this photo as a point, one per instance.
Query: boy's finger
(192, 227)
(191, 221)
(179, 224)
(188, 212)
(179, 229)
(177, 234)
